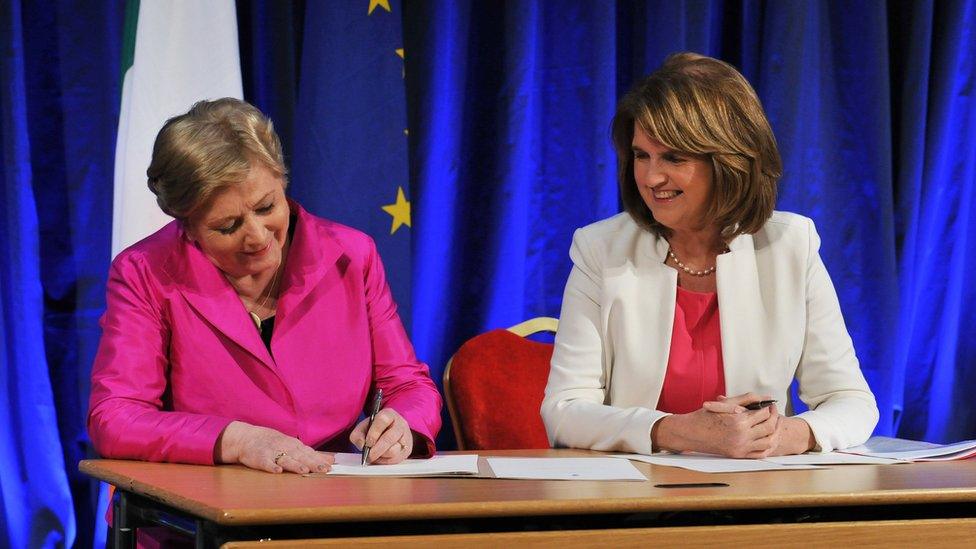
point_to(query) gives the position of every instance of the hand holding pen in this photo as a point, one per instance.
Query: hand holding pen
(791, 435)
(377, 404)
(739, 404)
(722, 427)
(384, 436)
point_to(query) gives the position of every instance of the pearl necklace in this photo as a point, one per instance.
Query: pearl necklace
(691, 271)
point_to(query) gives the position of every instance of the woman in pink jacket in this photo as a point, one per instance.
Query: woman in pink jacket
(248, 330)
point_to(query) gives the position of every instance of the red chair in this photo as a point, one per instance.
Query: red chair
(494, 386)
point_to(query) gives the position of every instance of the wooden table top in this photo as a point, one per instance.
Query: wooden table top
(234, 495)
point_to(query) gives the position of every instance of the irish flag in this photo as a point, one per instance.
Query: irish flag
(174, 54)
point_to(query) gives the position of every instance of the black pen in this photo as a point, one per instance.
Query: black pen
(759, 404)
(377, 403)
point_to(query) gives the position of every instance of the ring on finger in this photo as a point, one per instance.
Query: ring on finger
(279, 455)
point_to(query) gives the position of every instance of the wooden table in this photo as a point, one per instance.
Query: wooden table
(862, 504)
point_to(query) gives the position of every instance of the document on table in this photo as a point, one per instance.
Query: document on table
(583, 468)
(350, 465)
(712, 464)
(832, 458)
(914, 450)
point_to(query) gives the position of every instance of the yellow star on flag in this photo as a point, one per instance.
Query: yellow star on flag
(385, 4)
(403, 71)
(400, 210)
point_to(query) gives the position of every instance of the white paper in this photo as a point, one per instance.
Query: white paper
(898, 448)
(584, 468)
(832, 458)
(351, 465)
(711, 464)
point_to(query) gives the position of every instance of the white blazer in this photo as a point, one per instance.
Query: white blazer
(779, 317)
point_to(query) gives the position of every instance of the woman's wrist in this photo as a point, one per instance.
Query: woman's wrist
(663, 434)
(798, 436)
(228, 449)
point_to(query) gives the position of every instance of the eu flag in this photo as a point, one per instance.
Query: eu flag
(349, 162)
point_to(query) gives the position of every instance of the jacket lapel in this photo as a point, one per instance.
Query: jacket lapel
(313, 252)
(642, 300)
(742, 316)
(210, 294)
(313, 255)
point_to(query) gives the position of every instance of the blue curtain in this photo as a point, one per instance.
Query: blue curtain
(509, 154)
(36, 503)
(508, 109)
(831, 114)
(933, 373)
(869, 104)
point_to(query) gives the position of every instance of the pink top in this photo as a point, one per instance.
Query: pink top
(179, 357)
(695, 371)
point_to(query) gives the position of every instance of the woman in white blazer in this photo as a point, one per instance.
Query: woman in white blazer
(699, 290)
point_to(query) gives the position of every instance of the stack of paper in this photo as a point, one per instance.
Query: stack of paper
(913, 450)
(585, 468)
(712, 464)
(832, 458)
(876, 451)
(350, 465)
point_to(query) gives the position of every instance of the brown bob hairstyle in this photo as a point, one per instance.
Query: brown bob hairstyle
(700, 105)
(207, 149)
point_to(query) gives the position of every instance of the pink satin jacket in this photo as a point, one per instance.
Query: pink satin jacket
(179, 357)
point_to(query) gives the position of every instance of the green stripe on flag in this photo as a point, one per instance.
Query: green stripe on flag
(129, 36)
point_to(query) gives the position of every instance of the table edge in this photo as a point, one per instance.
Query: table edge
(535, 507)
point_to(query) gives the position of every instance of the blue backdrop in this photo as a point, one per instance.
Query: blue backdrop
(508, 108)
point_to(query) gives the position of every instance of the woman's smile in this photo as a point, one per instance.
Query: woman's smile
(231, 228)
(676, 186)
(261, 252)
(666, 196)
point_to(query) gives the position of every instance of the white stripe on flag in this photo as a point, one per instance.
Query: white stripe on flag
(184, 52)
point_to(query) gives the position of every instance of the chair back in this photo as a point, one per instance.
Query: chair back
(494, 386)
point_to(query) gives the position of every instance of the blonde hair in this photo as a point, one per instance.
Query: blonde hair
(207, 149)
(700, 105)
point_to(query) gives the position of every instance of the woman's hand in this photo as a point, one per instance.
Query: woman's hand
(723, 428)
(269, 450)
(792, 435)
(389, 438)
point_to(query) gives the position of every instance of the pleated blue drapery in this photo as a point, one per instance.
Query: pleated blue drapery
(933, 373)
(34, 495)
(872, 111)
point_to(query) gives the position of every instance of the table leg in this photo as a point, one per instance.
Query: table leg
(200, 538)
(122, 522)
